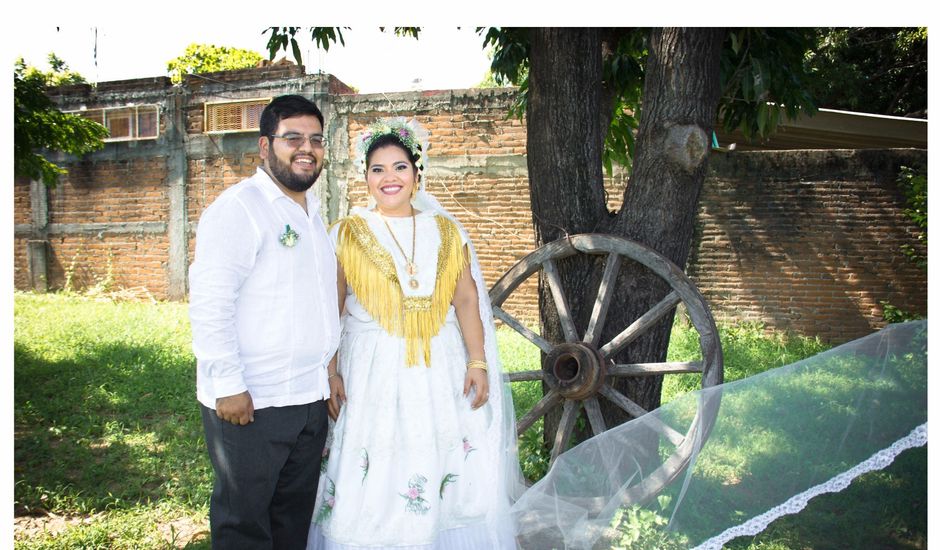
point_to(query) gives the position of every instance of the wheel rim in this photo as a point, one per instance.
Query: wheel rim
(578, 371)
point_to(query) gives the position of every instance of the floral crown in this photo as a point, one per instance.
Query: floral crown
(408, 132)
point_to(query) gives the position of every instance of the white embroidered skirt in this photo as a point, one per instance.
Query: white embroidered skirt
(409, 464)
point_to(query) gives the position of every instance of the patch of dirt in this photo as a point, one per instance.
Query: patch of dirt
(182, 531)
(26, 527)
(178, 532)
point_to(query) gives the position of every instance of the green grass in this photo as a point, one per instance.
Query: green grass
(105, 419)
(107, 429)
(747, 349)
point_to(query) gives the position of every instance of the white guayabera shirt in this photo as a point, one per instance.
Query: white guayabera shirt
(263, 307)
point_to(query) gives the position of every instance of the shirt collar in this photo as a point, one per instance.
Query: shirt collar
(270, 189)
(272, 192)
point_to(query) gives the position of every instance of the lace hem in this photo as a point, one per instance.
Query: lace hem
(880, 460)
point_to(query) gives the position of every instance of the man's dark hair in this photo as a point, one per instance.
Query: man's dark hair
(286, 106)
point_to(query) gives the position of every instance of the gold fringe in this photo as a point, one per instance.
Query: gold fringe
(370, 271)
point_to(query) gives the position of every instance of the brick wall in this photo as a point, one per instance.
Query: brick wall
(127, 261)
(22, 214)
(111, 191)
(22, 210)
(102, 218)
(20, 264)
(801, 240)
(807, 241)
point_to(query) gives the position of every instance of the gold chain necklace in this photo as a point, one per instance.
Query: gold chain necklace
(410, 266)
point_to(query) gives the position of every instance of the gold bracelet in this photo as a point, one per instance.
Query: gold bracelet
(476, 364)
(332, 375)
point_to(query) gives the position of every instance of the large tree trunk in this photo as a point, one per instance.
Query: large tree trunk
(565, 140)
(565, 143)
(679, 106)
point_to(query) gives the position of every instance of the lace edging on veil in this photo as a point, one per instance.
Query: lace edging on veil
(878, 461)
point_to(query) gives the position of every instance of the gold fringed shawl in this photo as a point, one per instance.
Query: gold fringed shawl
(370, 271)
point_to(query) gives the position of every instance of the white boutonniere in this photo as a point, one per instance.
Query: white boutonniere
(290, 237)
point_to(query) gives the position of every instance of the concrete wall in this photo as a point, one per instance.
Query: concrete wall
(800, 240)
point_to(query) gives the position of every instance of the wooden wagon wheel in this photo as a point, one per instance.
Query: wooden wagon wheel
(577, 370)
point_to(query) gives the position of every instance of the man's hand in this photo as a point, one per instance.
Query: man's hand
(237, 409)
(337, 396)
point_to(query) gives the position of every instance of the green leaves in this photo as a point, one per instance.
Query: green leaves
(280, 37)
(323, 37)
(870, 69)
(38, 125)
(405, 31)
(623, 78)
(620, 143)
(913, 184)
(762, 76)
(510, 63)
(204, 58)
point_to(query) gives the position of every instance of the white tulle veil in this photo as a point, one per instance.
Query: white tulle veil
(779, 439)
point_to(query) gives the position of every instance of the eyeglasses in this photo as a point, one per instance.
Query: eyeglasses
(296, 141)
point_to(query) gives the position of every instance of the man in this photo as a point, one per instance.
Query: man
(263, 308)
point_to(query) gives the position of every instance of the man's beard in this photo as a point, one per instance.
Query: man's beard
(295, 182)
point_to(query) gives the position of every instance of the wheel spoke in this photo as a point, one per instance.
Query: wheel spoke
(596, 419)
(622, 401)
(524, 376)
(637, 411)
(554, 283)
(538, 411)
(565, 428)
(604, 294)
(642, 324)
(514, 323)
(655, 369)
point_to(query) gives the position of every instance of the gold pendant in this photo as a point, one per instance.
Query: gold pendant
(413, 283)
(411, 269)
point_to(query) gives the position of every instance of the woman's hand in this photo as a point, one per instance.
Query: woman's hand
(476, 378)
(337, 396)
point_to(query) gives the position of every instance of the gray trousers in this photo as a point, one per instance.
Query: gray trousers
(266, 476)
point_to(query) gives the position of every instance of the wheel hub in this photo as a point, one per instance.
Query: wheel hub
(577, 369)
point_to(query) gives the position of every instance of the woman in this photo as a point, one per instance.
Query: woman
(423, 449)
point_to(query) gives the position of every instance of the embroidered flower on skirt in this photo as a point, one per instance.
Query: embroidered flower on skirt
(416, 504)
(364, 463)
(329, 501)
(467, 448)
(447, 480)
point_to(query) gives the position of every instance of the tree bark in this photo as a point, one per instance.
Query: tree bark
(565, 136)
(566, 131)
(680, 101)
(565, 140)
